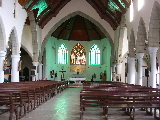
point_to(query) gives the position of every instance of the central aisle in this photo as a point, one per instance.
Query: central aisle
(63, 106)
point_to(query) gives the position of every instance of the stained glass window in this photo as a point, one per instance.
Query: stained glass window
(78, 55)
(94, 55)
(62, 54)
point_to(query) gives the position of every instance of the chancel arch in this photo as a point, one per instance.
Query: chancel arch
(72, 15)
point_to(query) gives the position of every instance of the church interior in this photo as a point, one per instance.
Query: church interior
(98, 53)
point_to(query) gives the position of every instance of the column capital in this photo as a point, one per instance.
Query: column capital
(152, 50)
(2, 53)
(131, 58)
(35, 63)
(140, 55)
(15, 56)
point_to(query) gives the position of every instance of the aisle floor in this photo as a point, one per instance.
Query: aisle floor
(65, 106)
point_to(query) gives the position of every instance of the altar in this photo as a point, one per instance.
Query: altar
(77, 78)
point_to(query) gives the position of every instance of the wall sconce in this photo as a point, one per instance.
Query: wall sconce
(146, 42)
(4, 64)
(62, 67)
(20, 65)
(134, 49)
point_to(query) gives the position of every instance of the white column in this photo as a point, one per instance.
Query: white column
(140, 64)
(152, 78)
(2, 58)
(119, 69)
(14, 71)
(111, 73)
(114, 72)
(34, 78)
(40, 71)
(131, 70)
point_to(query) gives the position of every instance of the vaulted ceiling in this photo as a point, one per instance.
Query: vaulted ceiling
(44, 10)
(78, 28)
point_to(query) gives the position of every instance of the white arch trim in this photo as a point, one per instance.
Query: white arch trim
(72, 15)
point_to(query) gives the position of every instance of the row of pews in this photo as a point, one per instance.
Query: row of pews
(23, 97)
(128, 97)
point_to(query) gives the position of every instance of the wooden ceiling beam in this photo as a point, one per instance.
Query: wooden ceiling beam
(126, 3)
(120, 6)
(31, 5)
(22, 2)
(54, 10)
(101, 10)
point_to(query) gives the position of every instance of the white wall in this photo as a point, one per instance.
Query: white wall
(90, 69)
(9, 22)
(27, 40)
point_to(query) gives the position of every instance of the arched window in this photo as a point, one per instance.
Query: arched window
(131, 12)
(140, 4)
(62, 54)
(94, 55)
(78, 55)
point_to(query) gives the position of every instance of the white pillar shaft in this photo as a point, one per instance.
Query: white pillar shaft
(131, 70)
(152, 53)
(40, 71)
(35, 78)
(140, 64)
(114, 72)
(2, 58)
(14, 71)
(119, 69)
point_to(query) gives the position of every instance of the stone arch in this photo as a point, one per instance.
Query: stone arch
(26, 50)
(14, 42)
(132, 44)
(122, 31)
(2, 36)
(154, 26)
(34, 36)
(72, 15)
(141, 37)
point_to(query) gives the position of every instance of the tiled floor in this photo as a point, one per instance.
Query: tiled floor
(65, 106)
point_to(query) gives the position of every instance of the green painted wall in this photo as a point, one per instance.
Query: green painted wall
(51, 62)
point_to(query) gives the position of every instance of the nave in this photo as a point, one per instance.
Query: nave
(66, 106)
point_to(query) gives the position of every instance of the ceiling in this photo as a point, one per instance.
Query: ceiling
(78, 28)
(44, 10)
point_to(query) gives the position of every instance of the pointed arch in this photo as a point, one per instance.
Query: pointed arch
(62, 54)
(132, 44)
(14, 42)
(141, 37)
(26, 50)
(94, 55)
(2, 36)
(68, 17)
(78, 55)
(122, 38)
(154, 26)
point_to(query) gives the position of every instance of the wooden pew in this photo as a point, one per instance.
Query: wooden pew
(128, 97)
(7, 104)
